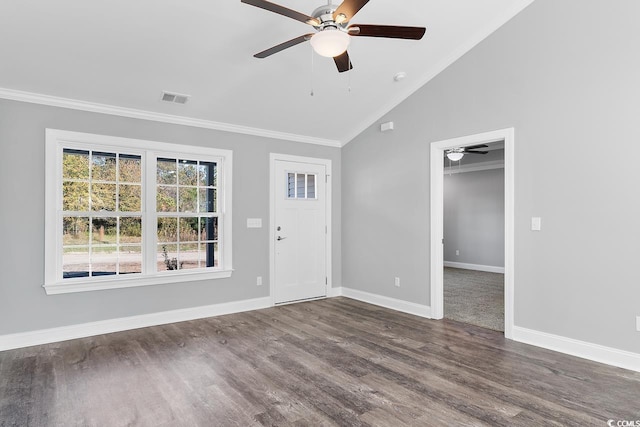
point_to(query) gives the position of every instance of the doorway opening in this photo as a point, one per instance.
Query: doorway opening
(438, 149)
(474, 236)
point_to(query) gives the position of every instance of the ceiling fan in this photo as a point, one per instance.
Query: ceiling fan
(455, 154)
(333, 31)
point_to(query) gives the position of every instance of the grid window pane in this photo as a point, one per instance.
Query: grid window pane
(167, 258)
(300, 186)
(75, 262)
(207, 174)
(207, 200)
(104, 261)
(103, 166)
(103, 197)
(188, 229)
(311, 186)
(167, 171)
(75, 164)
(75, 196)
(75, 230)
(188, 199)
(130, 230)
(187, 172)
(104, 231)
(168, 229)
(130, 259)
(166, 199)
(188, 256)
(130, 168)
(130, 198)
(291, 185)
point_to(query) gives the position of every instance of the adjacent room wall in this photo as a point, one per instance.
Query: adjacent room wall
(24, 306)
(474, 217)
(564, 74)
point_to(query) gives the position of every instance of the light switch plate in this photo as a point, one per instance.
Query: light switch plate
(254, 222)
(536, 223)
(638, 323)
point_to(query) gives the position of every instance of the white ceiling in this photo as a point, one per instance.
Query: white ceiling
(124, 53)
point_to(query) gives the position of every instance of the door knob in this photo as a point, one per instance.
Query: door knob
(281, 238)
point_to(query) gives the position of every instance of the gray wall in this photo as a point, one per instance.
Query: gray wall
(24, 306)
(564, 74)
(474, 217)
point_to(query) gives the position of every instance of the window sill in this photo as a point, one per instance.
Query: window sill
(71, 286)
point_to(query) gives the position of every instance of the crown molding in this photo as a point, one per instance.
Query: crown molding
(74, 104)
(465, 47)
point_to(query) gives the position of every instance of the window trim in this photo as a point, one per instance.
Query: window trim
(56, 140)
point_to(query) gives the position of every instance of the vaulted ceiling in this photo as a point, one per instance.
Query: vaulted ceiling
(124, 53)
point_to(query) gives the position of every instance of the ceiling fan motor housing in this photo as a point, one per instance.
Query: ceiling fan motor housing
(324, 14)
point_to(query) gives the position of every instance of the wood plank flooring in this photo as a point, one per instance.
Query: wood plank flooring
(322, 363)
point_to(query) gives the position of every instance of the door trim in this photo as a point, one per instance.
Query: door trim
(273, 157)
(437, 219)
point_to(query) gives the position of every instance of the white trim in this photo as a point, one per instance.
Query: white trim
(93, 107)
(336, 292)
(273, 157)
(488, 29)
(105, 283)
(598, 353)
(56, 139)
(437, 219)
(474, 167)
(63, 333)
(476, 267)
(386, 302)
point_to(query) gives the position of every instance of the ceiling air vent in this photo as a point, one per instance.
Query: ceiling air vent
(177, 98)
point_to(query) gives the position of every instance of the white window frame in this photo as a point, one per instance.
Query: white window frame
(56, 140)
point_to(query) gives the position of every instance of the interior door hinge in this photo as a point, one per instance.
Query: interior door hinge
(326, 178)
(326, 281)
(443, 241)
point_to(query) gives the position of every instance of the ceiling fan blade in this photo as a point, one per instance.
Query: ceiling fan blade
(475, 152)
(388, 31)
(473, 147)
(282, 46)
(281, 10)
(343, 62)
(347, 9)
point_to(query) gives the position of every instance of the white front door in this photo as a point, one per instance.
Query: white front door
(299, 235)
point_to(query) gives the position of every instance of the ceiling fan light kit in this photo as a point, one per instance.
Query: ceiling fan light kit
(333, 32)
(330, 42)
(454, 156)
(457, 153)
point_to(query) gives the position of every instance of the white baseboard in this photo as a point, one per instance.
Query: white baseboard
(392, 303)
(334, 292)
(63, 333)
(477, 267)
(598, 353)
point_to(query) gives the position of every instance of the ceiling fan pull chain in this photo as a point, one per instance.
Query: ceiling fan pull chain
(349, 82)
(311, 94)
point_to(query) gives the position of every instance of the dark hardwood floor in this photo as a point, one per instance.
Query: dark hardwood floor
(328, 362)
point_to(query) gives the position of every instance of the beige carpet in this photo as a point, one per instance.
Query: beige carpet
(474, 297)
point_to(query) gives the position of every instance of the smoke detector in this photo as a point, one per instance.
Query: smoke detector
(176, 98)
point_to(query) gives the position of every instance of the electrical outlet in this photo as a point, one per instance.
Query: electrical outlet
(457, 252)
(397, 282)
(259, 281)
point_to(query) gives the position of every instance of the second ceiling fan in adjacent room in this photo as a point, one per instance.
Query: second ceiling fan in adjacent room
(333, 31)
